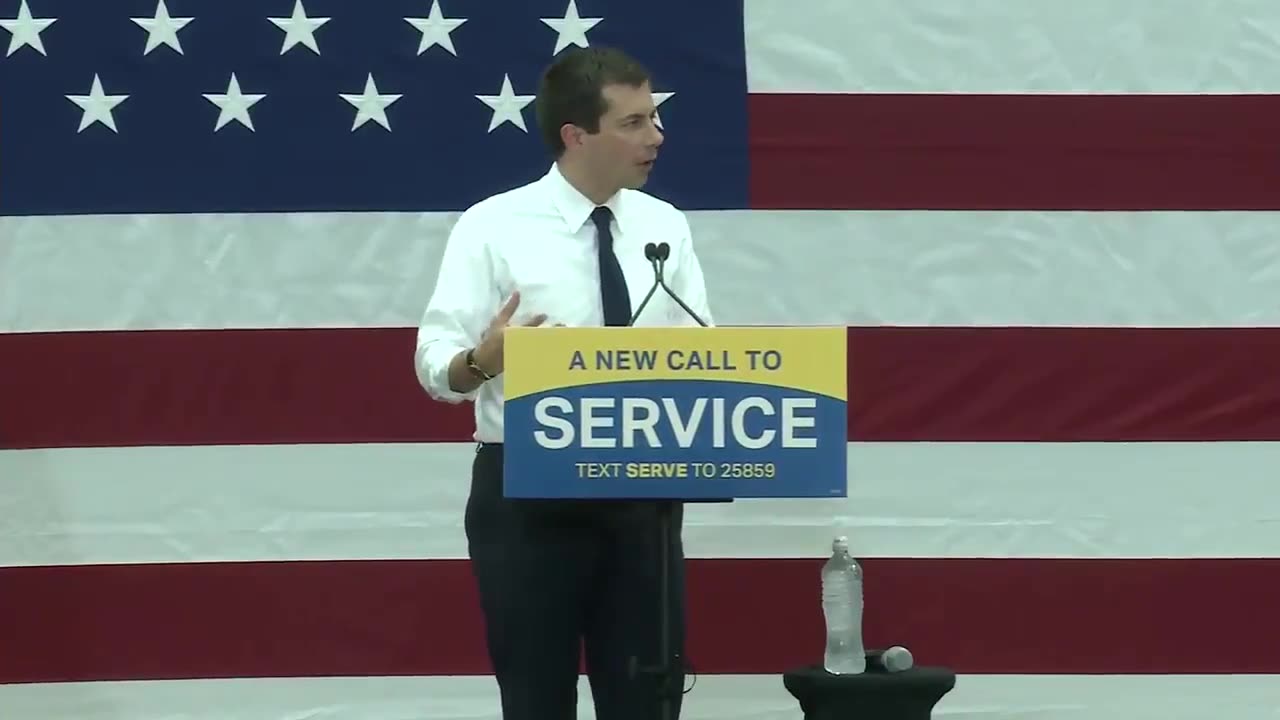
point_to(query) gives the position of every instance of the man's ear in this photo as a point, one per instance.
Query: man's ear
(571, 135)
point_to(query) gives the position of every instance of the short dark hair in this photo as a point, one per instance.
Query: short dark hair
(570, 90)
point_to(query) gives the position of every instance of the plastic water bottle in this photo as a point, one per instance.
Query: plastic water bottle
(842, 608)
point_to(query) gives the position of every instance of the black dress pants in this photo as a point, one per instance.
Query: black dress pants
(559, 577)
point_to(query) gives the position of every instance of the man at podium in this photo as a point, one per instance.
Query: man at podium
(568, 248)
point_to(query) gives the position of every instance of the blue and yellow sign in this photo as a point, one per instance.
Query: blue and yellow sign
(681, 412)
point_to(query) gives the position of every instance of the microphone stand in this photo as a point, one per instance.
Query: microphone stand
(663, 252)
(665, 669)
(657, 256)
(650, 254)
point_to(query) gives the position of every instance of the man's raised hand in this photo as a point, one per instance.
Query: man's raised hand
(489, 352)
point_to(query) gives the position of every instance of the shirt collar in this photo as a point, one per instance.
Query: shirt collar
(575, 207)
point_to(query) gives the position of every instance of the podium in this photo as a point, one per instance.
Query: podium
(675, 415)
(680, 413)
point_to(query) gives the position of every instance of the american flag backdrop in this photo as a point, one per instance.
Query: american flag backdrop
(1050, 227)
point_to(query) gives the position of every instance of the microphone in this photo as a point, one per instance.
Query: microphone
(894, 659)
(663, 251)
(650, 254)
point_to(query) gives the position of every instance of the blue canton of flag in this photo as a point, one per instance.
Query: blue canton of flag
(139, 106)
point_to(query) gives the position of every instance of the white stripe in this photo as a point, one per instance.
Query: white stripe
(169, 504)
(742, 697)
(898, 268)
(1014, 46)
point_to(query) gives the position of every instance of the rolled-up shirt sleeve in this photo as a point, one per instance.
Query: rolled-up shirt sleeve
(462, 303)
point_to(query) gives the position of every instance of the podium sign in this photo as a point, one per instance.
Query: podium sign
(679, 412)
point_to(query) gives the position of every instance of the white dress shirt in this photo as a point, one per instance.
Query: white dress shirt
(539, 239)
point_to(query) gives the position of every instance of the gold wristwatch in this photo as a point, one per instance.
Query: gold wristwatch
(475, 368)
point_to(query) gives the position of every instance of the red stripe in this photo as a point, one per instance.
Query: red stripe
(218, 386)
(966, 151)
(1064, 384)
(344, 385)
(747, 616)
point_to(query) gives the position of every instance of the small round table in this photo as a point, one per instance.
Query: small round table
(906, 695)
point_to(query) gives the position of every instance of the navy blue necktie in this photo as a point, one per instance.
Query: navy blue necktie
(613, 285)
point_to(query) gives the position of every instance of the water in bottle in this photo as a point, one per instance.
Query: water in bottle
(842, 608)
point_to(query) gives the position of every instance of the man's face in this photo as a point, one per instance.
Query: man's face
(623, 152)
